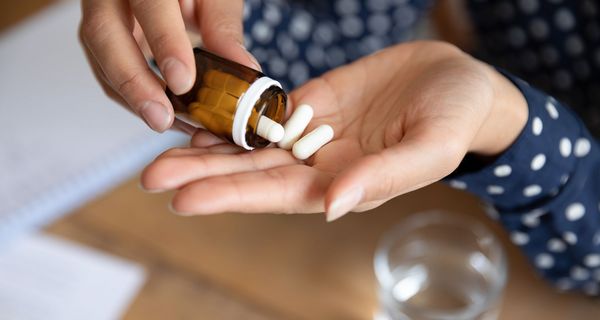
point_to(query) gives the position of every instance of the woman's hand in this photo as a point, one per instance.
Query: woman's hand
(403, 118)
(115, 32)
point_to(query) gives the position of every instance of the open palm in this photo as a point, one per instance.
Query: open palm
(403, 118)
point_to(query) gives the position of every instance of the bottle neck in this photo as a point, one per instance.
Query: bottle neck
(245, 106)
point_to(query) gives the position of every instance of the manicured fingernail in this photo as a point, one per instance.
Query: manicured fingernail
(252, 58)
(177, 75)
(156, 115)
(344, 203)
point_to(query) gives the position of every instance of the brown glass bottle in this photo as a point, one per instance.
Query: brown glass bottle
(228, 99)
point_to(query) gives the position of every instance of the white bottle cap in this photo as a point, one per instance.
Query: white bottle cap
(244, 109)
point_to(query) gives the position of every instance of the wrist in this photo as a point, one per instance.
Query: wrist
(507, 117)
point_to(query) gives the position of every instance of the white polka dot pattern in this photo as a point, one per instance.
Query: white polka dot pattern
(556, 245)
(529, 6)
(491, 211)
(582, 147)
(575, 211)
(552, 110)
(565, 147)
(544, 261)
(532, 190)
(532, 219)
(502, 171)
(537, 126)
(538, 162)
(324, 35)
(457, 184)
(564, 284)
(545, 167)
(564, 19)
(559, 51)
(538, 28)
(570, 237)
(519, 238)
(579, 273)
(495, 189)
(592, 260)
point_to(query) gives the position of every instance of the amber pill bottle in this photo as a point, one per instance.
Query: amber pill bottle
(229, 99)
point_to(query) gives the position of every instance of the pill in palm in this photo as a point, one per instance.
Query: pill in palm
(312, 142)
(295, 126)
(269, 129)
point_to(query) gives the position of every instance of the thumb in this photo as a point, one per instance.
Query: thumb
(221, 26)
(411, 164)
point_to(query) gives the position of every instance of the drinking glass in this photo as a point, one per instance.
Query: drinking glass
(439, 266)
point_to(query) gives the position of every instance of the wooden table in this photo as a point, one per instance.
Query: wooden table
(236, 266)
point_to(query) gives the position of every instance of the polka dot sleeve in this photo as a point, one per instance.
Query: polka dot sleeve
(545, 189)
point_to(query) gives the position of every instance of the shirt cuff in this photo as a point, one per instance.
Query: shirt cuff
(536, 166)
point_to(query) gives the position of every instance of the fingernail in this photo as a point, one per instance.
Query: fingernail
(344, 203)
(156, 115)
(252, 58)
(141, 186)
(173, 211)
(177, 75)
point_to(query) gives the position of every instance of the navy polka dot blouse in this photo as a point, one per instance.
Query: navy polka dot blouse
(545, 189)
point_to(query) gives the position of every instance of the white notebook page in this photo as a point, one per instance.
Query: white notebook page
(62, 141)
(43, 277)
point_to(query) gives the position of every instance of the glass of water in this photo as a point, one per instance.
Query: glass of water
(439, 266)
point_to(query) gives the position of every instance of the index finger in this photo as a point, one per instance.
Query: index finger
(163, 26)
(107, 31)
(220, 24)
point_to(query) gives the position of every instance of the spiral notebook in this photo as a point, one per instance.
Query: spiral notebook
(62, 142)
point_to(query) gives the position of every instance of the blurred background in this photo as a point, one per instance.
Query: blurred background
(79, 239)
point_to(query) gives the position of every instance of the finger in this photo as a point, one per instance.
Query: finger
(368, 205)
(188, 12)
(184, 127)
(99, 75)
(203, 139)
(167, 173)
(187, 151)
(106, 29)
(163, 26)
(221, 27)
(418, 160)
(288, 189)
(140, 38)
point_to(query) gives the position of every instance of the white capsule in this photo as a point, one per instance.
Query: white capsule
(295, 126)
(312, 142)
(269, 129)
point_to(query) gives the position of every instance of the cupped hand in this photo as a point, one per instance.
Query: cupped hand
(116, 33)
(403, 118)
